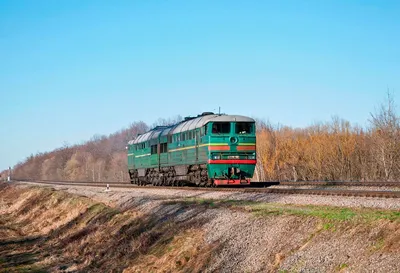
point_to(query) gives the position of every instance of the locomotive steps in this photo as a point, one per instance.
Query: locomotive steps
(47, 230)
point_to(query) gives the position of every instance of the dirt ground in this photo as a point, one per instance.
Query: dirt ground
(48, 230)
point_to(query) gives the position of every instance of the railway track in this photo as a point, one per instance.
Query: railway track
(344, 184)
(281, 183)
(326, 192)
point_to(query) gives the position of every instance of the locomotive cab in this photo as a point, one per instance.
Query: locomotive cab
(232, 152)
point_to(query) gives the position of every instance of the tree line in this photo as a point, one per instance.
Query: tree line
(102, 158)
(330, 151)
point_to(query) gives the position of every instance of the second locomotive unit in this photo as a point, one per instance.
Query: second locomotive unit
(207, 150)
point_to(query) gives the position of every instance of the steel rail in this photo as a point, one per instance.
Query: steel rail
(270, 183)
(339, 183)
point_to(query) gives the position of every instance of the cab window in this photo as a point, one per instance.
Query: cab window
(244, 128)
(221, 128)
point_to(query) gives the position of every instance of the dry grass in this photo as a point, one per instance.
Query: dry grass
(184, 253)
(50, 231)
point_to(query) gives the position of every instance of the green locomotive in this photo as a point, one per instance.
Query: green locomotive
(207, 150)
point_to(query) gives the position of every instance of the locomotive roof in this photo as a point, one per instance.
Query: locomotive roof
(188, 125)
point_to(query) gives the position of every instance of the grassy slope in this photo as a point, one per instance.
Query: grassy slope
(43, 230)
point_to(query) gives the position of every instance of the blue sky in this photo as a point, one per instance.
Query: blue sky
(72, 69)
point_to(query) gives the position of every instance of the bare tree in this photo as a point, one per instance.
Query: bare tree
(167, 122)
(385, 133)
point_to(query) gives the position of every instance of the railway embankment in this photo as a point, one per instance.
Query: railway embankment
(45, 229)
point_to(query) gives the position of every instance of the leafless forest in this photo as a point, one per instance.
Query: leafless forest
(333, 151)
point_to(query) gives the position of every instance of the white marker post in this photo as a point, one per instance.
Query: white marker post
(108, 188)
(9, 174)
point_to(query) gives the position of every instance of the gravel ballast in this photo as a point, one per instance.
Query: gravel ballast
(118, 196)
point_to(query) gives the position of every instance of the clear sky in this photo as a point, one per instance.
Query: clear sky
(72, 69)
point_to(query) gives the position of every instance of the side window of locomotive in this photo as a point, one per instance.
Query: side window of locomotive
(221, 128)
(244, 128)
(163, 148)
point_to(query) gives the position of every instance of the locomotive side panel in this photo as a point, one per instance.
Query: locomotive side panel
(212, 149)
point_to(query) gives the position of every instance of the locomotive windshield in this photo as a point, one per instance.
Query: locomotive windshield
(221, 128)
(244, 128)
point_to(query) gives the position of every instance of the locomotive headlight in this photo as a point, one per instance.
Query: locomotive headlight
(216, 157)
(253, 156)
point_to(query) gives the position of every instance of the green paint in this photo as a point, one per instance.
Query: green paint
(196, 151)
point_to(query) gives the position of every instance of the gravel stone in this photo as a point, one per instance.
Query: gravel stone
(141, 197)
